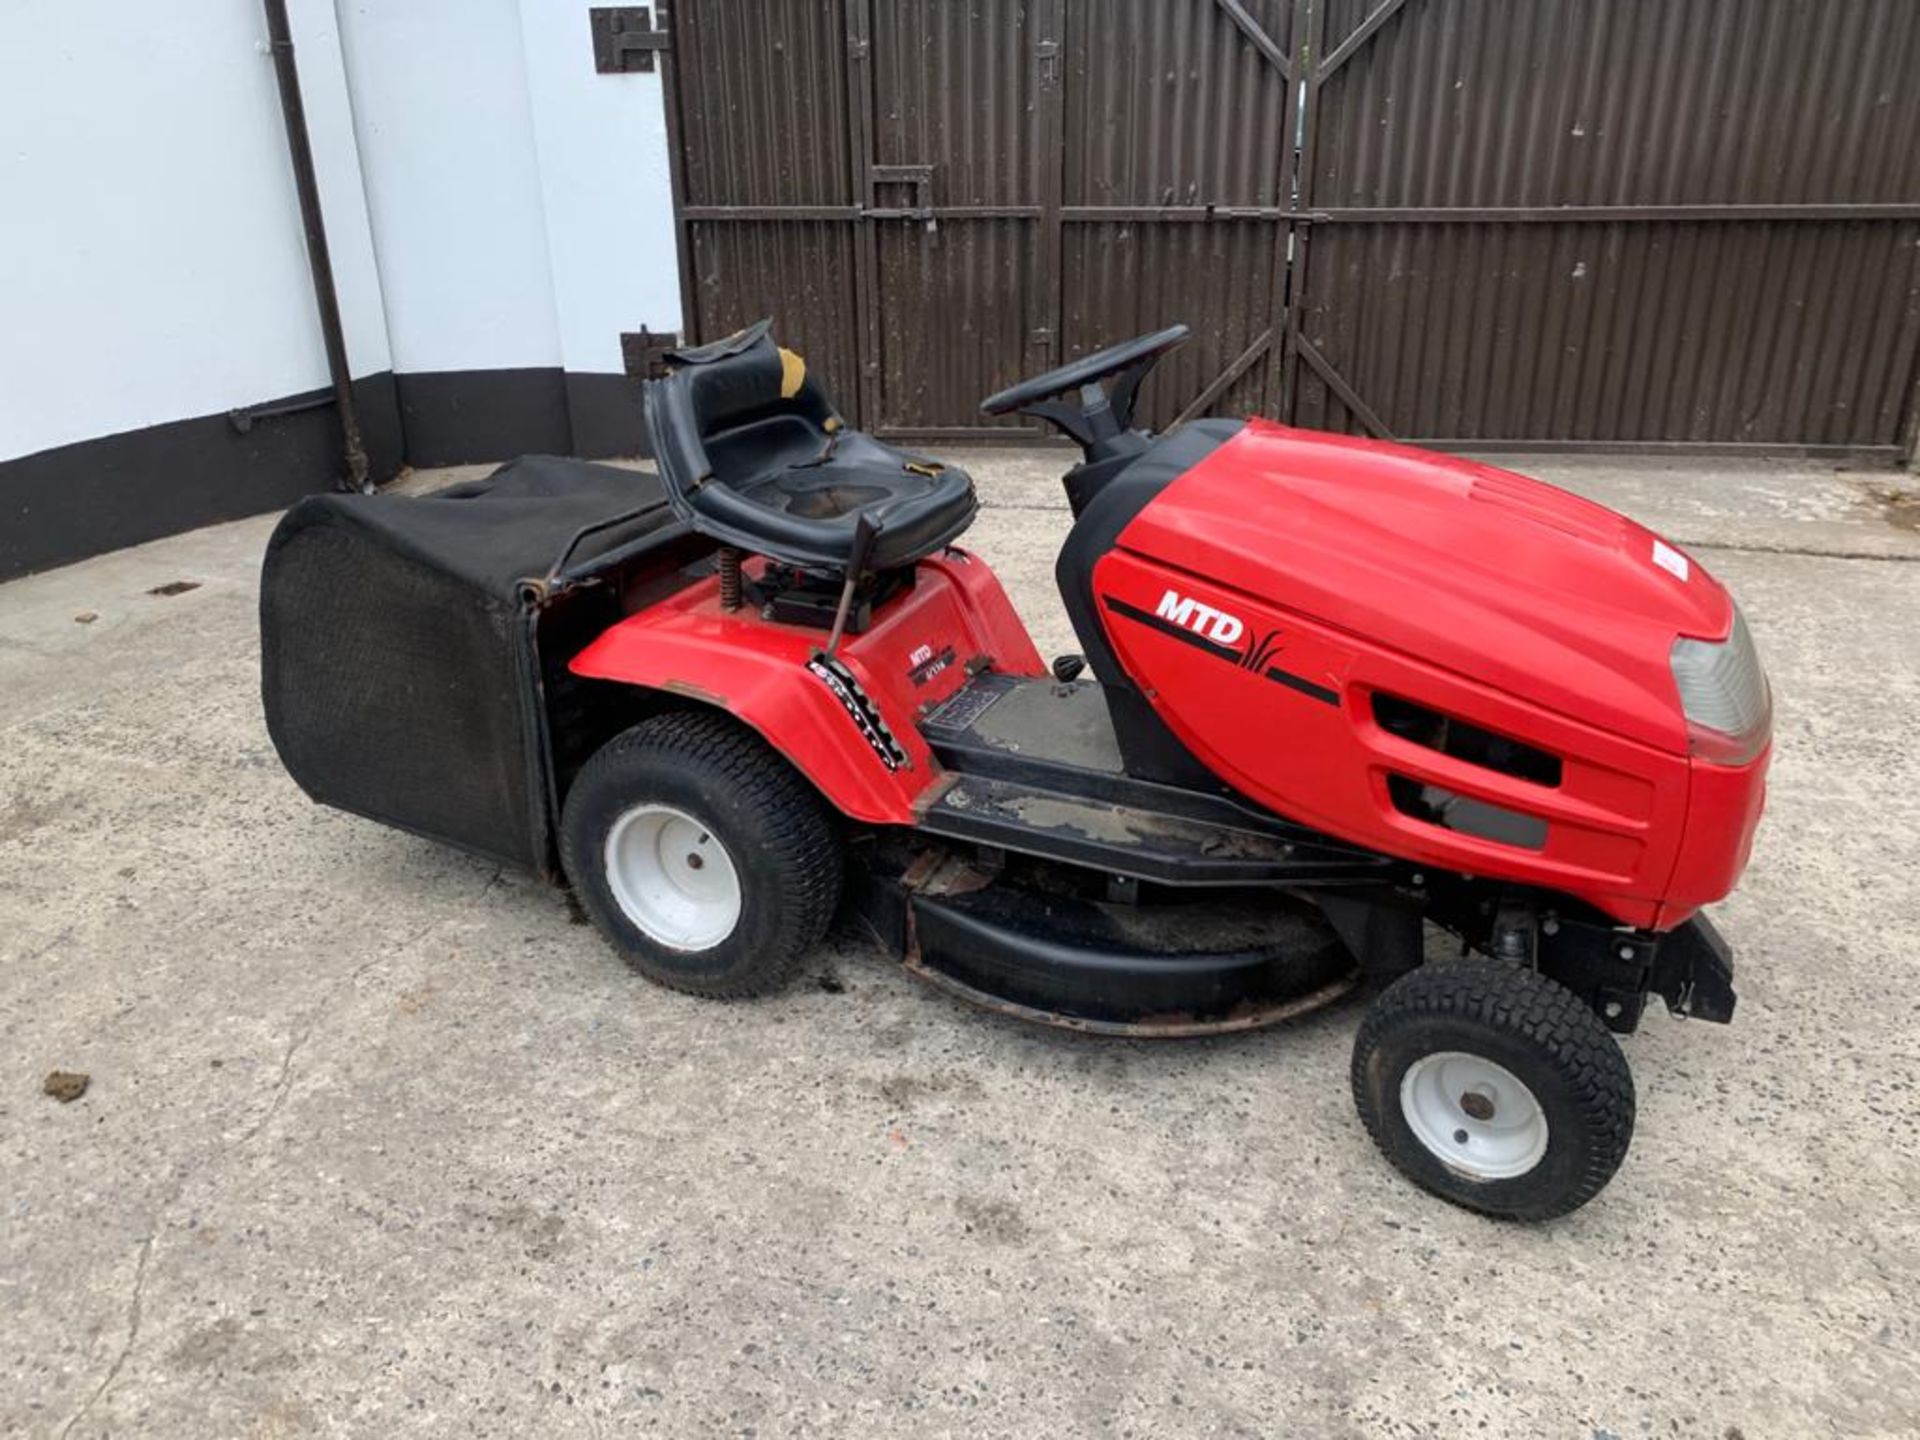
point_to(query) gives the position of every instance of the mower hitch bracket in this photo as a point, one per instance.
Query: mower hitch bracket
(1693, 972)
(1615, 969)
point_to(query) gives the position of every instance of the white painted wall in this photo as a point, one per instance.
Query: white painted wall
(453, 183)
(152, 265)
(606, 189)
(522, 205)
(491, 203)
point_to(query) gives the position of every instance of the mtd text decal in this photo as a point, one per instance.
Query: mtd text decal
(1216, 625)
(1219, 632)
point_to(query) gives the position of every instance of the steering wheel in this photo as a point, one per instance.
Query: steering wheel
(1104, 412)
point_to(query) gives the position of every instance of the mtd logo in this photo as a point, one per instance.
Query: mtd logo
(1203, 620)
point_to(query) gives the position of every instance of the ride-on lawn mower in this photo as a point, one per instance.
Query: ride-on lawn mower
(1339, 690)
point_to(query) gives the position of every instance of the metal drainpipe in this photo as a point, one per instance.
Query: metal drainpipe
(300, 148)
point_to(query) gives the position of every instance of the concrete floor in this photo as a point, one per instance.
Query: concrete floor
(378, 1142)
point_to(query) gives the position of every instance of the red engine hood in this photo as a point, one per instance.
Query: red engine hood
(1499, 578)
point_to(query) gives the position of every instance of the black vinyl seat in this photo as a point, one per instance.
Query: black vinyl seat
(752, 454)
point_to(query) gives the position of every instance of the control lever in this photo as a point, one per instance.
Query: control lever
(865, 532)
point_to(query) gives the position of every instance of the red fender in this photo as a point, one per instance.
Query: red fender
(849, 725)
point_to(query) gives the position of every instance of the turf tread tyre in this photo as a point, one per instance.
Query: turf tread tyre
(780, 833)
(1516, 1012)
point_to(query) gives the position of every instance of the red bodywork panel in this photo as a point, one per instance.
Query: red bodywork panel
(1261, 601)
(915, 653)
(1325, 568)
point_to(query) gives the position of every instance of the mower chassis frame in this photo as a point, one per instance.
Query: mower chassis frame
(1077, 808)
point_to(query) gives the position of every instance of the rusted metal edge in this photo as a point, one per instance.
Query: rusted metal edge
(1248, 1016)
(940, 872)
(933, 792)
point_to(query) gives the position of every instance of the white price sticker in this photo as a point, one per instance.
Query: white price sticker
(1670, 560)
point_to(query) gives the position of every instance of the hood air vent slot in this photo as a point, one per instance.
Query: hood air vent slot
(1464, 741)
(1436, 805)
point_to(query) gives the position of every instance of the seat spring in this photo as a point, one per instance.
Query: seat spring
(729, 578)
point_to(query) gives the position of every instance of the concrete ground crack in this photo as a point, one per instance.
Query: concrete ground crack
(282, 1086)
(48, 947)
(1810, 552)
(126, 1349)
(285, 1081)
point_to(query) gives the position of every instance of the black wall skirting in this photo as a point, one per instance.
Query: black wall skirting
(457, 417)
(608, 418)
(65, 504)
(82, 499)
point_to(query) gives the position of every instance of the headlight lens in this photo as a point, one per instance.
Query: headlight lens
(1724, 694)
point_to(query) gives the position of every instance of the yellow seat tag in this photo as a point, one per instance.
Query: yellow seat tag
(793, 373)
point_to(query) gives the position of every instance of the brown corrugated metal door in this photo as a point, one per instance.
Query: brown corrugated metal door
(1588, 222)
(1178, 182)
(937, 199)
(1602, 223)
(875, 174)
(959, 158)
(763, 182)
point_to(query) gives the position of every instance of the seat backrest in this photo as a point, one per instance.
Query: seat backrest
(718, 387)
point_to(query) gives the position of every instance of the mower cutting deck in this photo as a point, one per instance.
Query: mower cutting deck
(1338, 692)
(1092, 899)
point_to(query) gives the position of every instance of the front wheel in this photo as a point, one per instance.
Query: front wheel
(1494, 1087)
(701, 854)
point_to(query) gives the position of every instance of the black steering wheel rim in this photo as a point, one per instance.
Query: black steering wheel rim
(1084, 371)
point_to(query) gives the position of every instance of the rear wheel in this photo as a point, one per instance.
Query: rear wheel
(1494, 1087)
(698, 851)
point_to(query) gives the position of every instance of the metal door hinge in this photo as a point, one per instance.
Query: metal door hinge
(625, 37)
(643, 353)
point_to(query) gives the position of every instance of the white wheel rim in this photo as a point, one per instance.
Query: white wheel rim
(672, 878)
(1475, 1117)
